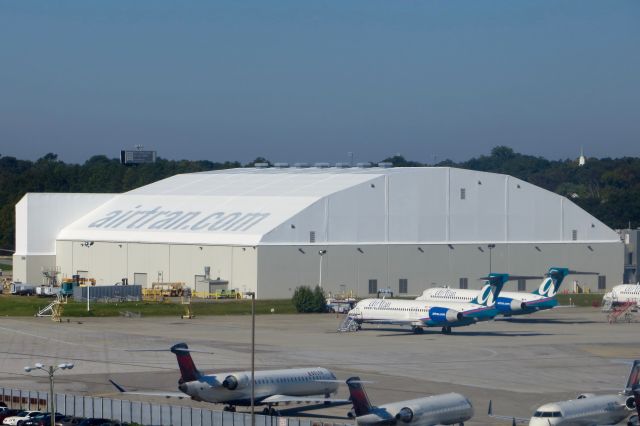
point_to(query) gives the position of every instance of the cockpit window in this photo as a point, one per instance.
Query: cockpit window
(547, 414)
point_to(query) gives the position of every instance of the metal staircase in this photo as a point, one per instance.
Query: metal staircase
(622, 312)
(348, 324)
(53, 309)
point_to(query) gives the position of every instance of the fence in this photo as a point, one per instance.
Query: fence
(143, 413)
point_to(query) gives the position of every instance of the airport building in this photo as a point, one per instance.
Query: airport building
(357, 229)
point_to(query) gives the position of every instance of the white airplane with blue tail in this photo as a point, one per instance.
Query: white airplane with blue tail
(446, 314)
(511, 303)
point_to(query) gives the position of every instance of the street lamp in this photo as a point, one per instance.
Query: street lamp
(321, 253)
(253, 356)
(50, 370)
(491, 247)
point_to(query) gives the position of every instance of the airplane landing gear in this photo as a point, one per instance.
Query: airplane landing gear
(230, 408)
(270, 411)
(417, 330)
(446, 329)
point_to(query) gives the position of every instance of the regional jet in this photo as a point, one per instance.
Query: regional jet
(589, 409)
(272, 387)
(510, 302)
(444, 409)
(419, 314)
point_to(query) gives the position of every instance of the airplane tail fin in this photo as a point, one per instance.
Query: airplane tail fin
(551, 284)
(359, 398)
(188, 370)
(634, 377)
(491, 290)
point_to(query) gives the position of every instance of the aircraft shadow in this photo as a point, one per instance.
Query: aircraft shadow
(456, 332)
(303, 411)
(547, 321)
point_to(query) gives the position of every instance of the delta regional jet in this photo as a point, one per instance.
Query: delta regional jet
(272, 387)
(444, 409)
(511, 303)
(419, 314)
(589, 409)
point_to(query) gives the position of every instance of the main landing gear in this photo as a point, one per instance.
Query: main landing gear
(446, 329)
(230, 408)
(417, 330)
(270, 411)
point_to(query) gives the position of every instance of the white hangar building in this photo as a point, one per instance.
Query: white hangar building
(270, 230)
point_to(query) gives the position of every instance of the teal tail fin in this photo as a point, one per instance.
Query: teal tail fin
(491, 290)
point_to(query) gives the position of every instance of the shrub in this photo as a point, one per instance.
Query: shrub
(307, 300)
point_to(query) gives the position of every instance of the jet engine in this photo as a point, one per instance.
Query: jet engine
(630, 403)
(507, 305)
(233, 381)
(405, 415)
(444, 315)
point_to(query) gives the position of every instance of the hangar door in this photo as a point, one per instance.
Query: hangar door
(140, 279)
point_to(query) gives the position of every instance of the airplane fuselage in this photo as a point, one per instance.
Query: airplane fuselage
(592, 411)
(445, 409)
(234, 388)
(419, 313)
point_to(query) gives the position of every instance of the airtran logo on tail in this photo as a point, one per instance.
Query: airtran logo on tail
(485, 297)
(547, 288)
(158, 218)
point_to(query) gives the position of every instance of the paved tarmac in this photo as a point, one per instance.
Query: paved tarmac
(519, 363)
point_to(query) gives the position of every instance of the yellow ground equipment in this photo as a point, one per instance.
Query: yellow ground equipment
(159, 291)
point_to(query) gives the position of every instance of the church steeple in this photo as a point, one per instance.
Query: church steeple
(582, 160)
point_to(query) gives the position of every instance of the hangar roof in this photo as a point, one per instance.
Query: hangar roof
(252, 206)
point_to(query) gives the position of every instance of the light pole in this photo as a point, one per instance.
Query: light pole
(321, 253)
(253, 356)
(50, 370)
(491, 247)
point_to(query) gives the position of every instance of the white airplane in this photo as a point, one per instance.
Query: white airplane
(272, 387)
(419, 314)
(511, 302)
(624, 293)
(589, 409)
(445, 409)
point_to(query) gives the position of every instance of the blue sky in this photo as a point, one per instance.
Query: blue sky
(311, 81)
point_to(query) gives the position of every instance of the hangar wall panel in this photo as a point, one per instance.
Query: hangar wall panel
(588, 227)
(187, 261)
(64, 257)
(533, 212)
(282, 268)
(41, 216)
(358, 213)
(153, 259)
(245, 269)
(477, 206)
(418, 206)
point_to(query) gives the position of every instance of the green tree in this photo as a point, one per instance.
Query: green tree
(307, 300)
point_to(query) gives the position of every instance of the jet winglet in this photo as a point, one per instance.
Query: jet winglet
(117, 386)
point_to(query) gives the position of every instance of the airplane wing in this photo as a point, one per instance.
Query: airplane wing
(310, 399)
(513, 419)
(179, 395)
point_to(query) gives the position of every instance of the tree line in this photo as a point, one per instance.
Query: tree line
(607, 188)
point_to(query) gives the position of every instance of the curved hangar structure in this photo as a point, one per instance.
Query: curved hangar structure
(358, 229)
